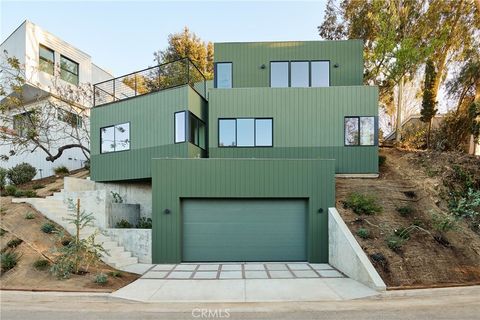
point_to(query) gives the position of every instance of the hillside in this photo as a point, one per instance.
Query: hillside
(414, 241)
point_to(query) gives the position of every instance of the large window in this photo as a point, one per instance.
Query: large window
(196, 129)
(245, 132)
(279, 74)
(223, 75)
(115, 138)
(299, 74)
(360, 131)
(24, 123)
(68, 70)
(46, 60)
(73, 119)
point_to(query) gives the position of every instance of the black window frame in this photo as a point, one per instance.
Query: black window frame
(129, 138)
(189, 114)
(215, 79)
(78, 119)
(236, 132)
(290, 73)
(289, 62)
(270, 72)
(329, 78)
(175, 126)
(66, 70)
(46, 60)
(375, 131)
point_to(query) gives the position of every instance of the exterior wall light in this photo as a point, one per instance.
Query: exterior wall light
(167, 211)
(336, 65)
(263, 66)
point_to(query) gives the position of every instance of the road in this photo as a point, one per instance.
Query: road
(444, 304)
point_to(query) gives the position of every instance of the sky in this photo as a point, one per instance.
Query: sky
(122, 36)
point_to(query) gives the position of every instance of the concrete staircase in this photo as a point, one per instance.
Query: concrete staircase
(55, 209)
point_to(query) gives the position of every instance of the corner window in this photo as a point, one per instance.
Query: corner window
(299, 71)
(279, 74)
(245, 132)
(74, 120)
(46, 60)
(180, 126)
(115, 138)
(320, 71)
(360, 131)
(68, 70)
(196, 129)
(223, 75)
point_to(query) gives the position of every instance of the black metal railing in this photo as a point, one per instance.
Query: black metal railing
(168, 75)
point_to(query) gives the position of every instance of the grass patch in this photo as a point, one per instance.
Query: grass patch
(61, 171)
(395, 242)
(123, 224)
(41, 264)
(37, 186)
(14, 243)
(363, 233)
(30, 215)
(101, 278)
(2, 232)
(47, 227)
(405, 210)
(8, 260)
(115, 274)
(362, 204)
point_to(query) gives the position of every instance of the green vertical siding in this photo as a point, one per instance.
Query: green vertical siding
(176, 179)
(307, 123)
(248, 57)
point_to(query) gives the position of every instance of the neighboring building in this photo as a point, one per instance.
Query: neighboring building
(243, 171)
(49, 63)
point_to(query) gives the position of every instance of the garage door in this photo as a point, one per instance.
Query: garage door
(244, 230)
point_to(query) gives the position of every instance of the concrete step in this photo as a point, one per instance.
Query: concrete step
(114, 257)
(124, 262)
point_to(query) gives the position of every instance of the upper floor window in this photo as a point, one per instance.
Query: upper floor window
(196, 129)
(223, 75)
(46, 60)
(320, 73)
(360, 131)
(73, 119)
(115, 138)
(23, 123)
(245, 132)
(299, 71)
(279, 74)
(68, 70)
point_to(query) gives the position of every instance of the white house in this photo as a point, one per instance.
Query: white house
(52, 67)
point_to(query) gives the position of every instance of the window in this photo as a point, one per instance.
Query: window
(23, 123)
(115, 138)
(299, 71)
(279, 74)
(360, 131)
(320, 71)
(245, 132)
(196, 129)
(74, 120)
(68, 70)
(46, 60)
(223, 75)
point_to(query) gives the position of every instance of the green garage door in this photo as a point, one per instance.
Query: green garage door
(244, 230)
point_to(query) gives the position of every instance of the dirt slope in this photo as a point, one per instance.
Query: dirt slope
(407, 180)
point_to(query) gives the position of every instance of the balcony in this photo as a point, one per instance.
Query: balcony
(164, 76)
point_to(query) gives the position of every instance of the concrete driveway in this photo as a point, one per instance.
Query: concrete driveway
(243, 282)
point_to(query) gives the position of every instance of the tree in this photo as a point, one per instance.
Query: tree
(429, 104)
(53, 122)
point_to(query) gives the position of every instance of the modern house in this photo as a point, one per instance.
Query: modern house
(241, 169)
(50, 67)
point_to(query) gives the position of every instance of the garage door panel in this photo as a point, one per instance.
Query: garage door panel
(244, 230)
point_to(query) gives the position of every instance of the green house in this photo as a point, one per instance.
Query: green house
(243, 167)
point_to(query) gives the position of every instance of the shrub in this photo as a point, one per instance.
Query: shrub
(382, 160)
(405, 210)
(30, 215)
(41, 264)
(101, 278)
(48, 227)
(61, 171)
(8, 260)
(443, 223)
(395, 242)
(21, 173)
(14, 243)
(10, 190)
(363, 233)
(115, 274)
(123, 224)
(469, 207)
(362, 204)
(403, 233)
(144, 223)
(2, 232)
(37, 186)
(3, 177)
(25, 193)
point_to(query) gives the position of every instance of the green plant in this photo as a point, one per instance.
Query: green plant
(443, 223)
(14, 243)
(468, 207)
(405, 210)
(30, 215)
(61, 170)
(2, 232)
(3, 177)
(123, 224)
(116, 197)
(8, 260)
(47, 227)
(115, 274)
(382, 160)
(101, 278)
(41, 264)
(395, 242)
(403, 233)
(144, 223)
(19, 194)
(10, 190)
(37, 186)
(362, 204)
(25, 193)
(363, 233)
(21, 173)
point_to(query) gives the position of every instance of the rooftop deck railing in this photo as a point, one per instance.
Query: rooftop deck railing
(164, 76)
